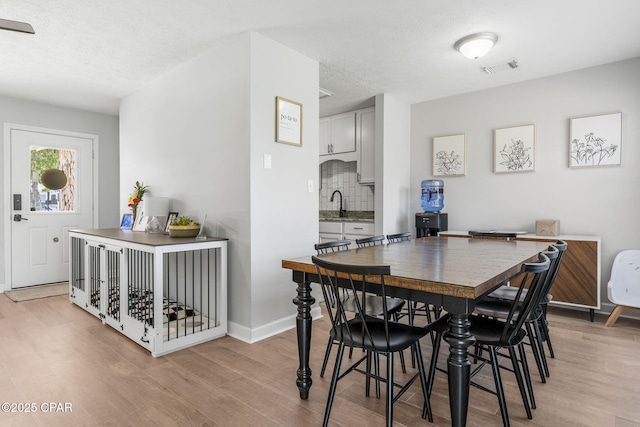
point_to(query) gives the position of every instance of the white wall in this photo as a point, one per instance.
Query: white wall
(392, 156)
(186, 135)
(284, 215)
(589, 201)
(24, 112)
(198, 135)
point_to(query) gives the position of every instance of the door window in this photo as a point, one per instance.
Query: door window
(43, 199)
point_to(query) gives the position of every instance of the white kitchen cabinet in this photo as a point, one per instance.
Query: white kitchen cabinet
(358, 230)
(338, 134)
(351, 137)
(325, 136)
(331, 231)
(366, 120)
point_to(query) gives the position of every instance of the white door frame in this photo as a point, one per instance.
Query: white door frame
(8, 127)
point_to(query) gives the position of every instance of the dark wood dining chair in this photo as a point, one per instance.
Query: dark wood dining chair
(370, 241)
(413, 308)
(375, 335)
(500, 308)
(537, 326)
(399, 237)
(493, 334)
(373, 302)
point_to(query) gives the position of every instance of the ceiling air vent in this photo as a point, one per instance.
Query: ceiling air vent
(512, 64)
(324, 93)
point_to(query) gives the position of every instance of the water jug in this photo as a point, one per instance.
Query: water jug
(432, 195)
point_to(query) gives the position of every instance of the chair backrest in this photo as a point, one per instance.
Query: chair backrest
(561, 246)
(370, 241)
(534, 275)
(400, 237)
(623, 287)
(358, 280)
(338, 245)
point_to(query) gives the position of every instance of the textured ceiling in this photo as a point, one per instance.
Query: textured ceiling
(89, 54)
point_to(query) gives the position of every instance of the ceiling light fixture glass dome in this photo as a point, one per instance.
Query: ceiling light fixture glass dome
(476, 45)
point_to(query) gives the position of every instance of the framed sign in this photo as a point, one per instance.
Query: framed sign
(288, 121)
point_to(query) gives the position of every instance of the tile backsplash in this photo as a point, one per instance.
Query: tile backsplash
(338, 175)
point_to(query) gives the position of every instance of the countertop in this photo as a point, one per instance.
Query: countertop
(350, 216)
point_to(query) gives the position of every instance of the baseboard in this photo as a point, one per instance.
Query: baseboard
(1, 288)
(250, 336)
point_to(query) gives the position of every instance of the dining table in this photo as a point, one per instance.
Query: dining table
(449, 272)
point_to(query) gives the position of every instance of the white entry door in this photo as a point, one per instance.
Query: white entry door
(41, 217)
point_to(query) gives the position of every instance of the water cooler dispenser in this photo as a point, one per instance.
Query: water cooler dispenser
(432, 220)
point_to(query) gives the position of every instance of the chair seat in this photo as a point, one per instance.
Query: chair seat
(486, 331)
(401, 336)
(374, 305)
(499, 308)
(509, 293)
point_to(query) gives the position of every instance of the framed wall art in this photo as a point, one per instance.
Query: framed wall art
(288, 121)
(450, 155)
(514, 149)
(595, 140)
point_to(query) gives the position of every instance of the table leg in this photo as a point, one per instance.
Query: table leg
(304, 301)
(459, 366)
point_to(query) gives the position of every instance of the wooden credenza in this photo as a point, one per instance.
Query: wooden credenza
(578, 281)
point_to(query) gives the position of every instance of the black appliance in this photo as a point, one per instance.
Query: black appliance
(431, 223)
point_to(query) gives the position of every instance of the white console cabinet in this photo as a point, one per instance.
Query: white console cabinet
(164, 293)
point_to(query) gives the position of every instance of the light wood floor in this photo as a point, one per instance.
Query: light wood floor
(52, 351)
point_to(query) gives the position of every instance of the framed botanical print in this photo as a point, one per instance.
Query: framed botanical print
(514, 149)
(595, 141)
(450, 155)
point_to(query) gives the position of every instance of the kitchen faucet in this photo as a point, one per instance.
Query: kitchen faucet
(341, 212)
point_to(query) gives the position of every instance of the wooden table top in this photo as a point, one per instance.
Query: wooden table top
(466, 268)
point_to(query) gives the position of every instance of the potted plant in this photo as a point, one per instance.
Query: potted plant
(183, 226)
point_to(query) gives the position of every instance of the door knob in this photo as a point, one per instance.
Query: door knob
(18, 218)
(56, 240)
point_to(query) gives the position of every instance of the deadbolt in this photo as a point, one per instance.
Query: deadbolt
(55, 239)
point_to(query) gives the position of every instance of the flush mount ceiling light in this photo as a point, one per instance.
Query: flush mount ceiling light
(476, 45)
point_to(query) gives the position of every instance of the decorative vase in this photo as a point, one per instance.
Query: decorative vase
(184, 230)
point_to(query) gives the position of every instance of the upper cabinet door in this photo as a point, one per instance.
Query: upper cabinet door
(366, 163)
(344, 133)
(325, 136)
